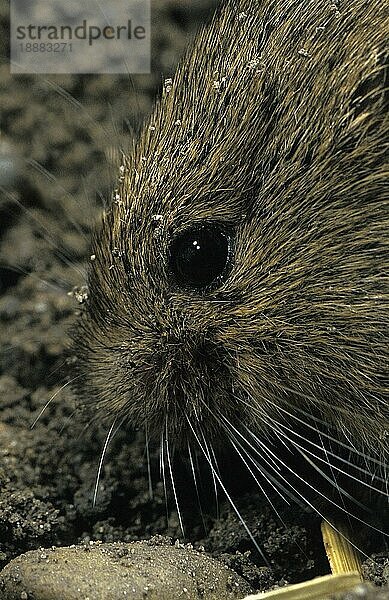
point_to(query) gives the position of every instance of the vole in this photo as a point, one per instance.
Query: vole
(238, 287)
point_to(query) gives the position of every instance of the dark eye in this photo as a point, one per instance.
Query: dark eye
(200, 256)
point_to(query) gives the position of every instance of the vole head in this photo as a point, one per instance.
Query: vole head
(238, 278)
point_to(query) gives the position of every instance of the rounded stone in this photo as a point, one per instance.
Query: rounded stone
(145, 570)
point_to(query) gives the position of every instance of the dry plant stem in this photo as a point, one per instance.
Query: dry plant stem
(320, 588)
(342, 556)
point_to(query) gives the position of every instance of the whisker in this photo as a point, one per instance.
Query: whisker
(271, 463)
(235, 446)
(67, 420)
(163, 474)
(272, 481)
(148, 462)
(275, 425)
(39, 168)
(51, 399)
(48, 236)
(80, 108)
(333, 475)
(212, 473)
(196, 485)
(56, 287)
(305, 482)
(332, 466)
(243, 522)
(274, 487)
(232, 437)
(312, 417)
(107, 440)
(317, 431)
(342, 492)
(57, 368)
(172, 480)
(274, 467)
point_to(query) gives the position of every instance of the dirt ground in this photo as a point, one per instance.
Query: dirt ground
(58, 137)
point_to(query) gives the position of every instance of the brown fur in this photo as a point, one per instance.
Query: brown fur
(275, 127)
